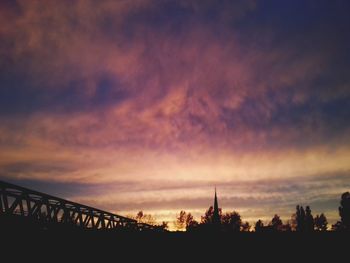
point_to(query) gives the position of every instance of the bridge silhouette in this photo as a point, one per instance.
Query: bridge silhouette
(47, 209)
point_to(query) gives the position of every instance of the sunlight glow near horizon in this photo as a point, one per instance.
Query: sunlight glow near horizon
(137, 105)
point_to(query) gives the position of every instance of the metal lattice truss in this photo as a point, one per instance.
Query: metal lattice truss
(16, 200)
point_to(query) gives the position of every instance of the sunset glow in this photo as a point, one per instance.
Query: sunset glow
(147, 105)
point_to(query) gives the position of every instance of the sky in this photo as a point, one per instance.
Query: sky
(150, 104)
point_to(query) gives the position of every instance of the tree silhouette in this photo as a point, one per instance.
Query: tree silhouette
(245, 227)
(300, 219)
(180, 222)
(344, 211)
(139, 216)
(208, 216)
(321, 222)
(191, 224)
(309, 220)
(231, 221)
(276, 223)
(337, 226)
(185, 221)
(287, 227)
(145, 218)
(164, 225)
(259, 226)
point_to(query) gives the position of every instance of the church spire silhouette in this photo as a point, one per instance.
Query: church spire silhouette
(216, 216)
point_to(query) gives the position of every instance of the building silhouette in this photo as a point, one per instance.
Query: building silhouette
(216, 215)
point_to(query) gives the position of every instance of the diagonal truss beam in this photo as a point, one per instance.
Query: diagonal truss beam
(17, 200)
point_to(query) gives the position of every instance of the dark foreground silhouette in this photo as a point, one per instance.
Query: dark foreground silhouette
(32, 229)
(22, 238)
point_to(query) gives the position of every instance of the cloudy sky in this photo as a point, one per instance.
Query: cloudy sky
(148, 104)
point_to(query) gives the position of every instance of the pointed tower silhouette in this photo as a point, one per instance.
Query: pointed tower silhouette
(216, 216)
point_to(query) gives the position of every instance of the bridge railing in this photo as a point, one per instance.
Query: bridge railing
(17, 200)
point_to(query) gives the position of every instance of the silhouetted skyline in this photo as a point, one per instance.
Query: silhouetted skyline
(146, 105)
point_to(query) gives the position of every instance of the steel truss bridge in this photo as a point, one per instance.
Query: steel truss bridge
(48, 209)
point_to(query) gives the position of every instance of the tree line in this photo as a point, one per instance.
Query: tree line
(302, 220)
